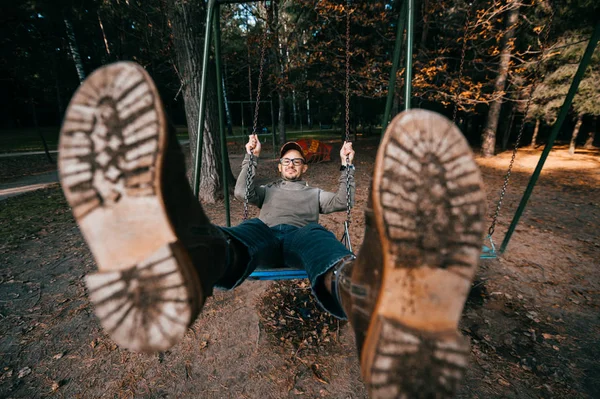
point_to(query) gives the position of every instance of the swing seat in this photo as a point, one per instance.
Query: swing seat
(280, 273)
(488, 253)
(284, 273)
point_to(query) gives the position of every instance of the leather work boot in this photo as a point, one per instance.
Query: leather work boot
(123, 174)
(405, 292)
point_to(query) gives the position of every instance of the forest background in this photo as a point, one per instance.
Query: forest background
(50, 46)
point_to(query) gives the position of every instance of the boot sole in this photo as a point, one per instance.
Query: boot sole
(146, 292)
(428, 204)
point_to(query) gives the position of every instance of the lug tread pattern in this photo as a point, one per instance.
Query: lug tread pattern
(410, 364)
(144, 308)
(109, 139)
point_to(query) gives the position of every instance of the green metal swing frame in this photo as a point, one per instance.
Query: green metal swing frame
(405, 23)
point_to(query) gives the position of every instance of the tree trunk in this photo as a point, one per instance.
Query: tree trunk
(295, 107)
(106, 47)
(37, 128)
(59, 101)
(589, 142)
(508, 129)
(308, 117)
(300, 116)
(74, 50)
(273, 126)
(425, 14)
(488, 142)
(294, 103)
(279, 65)
(187, 20)
(250, 95)
(535, 133)
(281, 116)
(248, 47)
(120, 55)
(227, 110)
(575, 133)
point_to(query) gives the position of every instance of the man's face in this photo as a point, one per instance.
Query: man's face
(292, 172)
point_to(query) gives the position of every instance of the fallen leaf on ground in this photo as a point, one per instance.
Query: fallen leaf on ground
(317, 373)
(556, 337)
(25, 371)
(503, 382)
(8, 374)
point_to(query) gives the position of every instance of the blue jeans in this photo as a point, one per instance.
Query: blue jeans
(312, 248)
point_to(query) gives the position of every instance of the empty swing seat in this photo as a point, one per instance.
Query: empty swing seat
(488, 253)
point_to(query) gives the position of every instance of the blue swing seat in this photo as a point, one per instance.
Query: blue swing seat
(278, 274)
(488, 253)
(293, 274)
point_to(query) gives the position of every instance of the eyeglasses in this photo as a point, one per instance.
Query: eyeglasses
(287, 161)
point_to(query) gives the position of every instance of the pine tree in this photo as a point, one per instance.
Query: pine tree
(562, 65)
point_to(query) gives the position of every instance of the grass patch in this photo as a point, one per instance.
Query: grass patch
(22, 140)
(33, 214)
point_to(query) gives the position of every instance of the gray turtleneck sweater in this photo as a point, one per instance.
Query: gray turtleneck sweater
(292, 202)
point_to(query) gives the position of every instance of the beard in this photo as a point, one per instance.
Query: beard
(297, 175)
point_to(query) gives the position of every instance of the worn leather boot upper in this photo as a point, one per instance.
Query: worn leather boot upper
(359, 283)
(207, 244)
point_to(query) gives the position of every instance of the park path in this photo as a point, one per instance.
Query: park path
(34, 182)
(25, 153)
(27, 184)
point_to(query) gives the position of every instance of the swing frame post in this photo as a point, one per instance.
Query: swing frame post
(583, 64)
(217, 38)
(202, 109)
(410, 28)
(242, 115)
(395, 62)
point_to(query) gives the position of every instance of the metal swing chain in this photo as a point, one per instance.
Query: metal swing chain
(250, 174)
(346, 236)
(462, 63)
(348, 70)
(522, 128)
(347, 138)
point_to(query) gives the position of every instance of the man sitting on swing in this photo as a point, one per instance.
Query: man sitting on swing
(159, 257)
(287, 233)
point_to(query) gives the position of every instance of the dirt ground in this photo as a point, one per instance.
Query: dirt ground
(533, 315)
